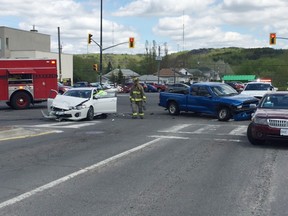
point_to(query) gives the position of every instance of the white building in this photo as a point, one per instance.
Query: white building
(20, 44)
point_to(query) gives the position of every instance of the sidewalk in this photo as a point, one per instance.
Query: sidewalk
(17, 132)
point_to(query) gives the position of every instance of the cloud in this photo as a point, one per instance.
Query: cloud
(162, 8)
(203, 23)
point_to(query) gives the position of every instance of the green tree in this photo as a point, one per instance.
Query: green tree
(120, 77)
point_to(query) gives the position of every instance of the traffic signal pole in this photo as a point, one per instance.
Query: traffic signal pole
(100, 45)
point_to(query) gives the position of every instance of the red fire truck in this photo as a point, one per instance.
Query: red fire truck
(26, 81)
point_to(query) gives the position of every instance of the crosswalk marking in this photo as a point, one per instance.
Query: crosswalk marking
(169, 137)
(64, 125)
(240, 130)
(206, 129)
(175, 128)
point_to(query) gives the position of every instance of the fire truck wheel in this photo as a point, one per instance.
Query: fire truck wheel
(20, 100)
(9, 104)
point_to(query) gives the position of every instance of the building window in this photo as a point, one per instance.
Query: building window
(7, 43)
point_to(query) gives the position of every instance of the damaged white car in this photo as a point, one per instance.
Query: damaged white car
(81, 103)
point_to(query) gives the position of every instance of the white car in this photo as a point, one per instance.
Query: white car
(257, 89)
(81, 103)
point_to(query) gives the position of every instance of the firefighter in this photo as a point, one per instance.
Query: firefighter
(137, 99)
(101, 93)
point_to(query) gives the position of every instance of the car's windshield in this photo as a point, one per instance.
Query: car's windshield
(78, 93)
(274, 101)
(223, 90)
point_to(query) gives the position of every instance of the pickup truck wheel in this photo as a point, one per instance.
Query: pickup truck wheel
(173, 108)
(90, 114)
(224, 114)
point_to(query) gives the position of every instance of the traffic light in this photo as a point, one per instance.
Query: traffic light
(90, 38)
(131, 42)
(272, 38)
(95, 67)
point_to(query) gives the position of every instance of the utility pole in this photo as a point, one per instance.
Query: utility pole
(158, 58)
(59, 53)
(101, 50)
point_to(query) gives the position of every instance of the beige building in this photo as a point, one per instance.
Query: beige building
(20, 44)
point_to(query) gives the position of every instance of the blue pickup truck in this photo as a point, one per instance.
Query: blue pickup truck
(212, 98)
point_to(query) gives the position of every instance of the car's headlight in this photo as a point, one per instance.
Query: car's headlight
(83, 106)
(239, 107)
(262, 121)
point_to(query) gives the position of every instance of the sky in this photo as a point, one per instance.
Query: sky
(166, 24)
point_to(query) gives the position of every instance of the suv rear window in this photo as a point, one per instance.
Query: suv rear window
(258, 86)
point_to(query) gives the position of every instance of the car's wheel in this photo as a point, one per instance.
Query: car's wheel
(20, 100)
(250, 137)
(173, 108)
(224, 114)
(90, 114)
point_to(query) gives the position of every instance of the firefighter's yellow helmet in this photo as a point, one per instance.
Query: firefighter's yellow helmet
(136, 79)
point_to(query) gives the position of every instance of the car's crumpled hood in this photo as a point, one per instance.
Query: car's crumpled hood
(239, 99)
(272, 113)
(65, 102)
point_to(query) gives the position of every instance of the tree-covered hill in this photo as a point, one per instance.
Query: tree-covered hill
(263, 62)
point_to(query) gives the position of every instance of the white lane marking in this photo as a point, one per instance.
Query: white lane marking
(169, 137)
(228, 140)
(75, 174)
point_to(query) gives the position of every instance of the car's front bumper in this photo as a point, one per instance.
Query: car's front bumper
(68, 114)
(265, 132)
(241, 115)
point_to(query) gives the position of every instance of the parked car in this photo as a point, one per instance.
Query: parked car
(151, 88)
(127, 86)
(258, 89)
(238, 86)
(62, 88)
(96, 85)
(160, 87)
(270, 121)
(178, 87)
(81, 84)
(80, 103)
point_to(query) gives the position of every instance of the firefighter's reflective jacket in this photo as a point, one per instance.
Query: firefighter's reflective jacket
(137, 93)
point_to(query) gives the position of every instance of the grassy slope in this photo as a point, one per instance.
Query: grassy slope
(263, 62)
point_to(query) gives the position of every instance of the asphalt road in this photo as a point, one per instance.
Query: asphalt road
(162, 165)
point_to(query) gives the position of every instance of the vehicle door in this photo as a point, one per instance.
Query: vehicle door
(105, 103)
(200, 100)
